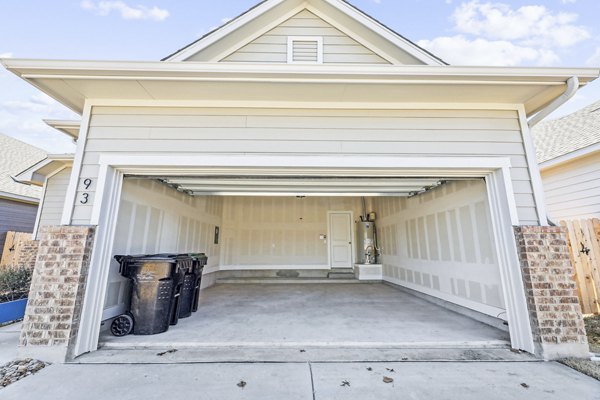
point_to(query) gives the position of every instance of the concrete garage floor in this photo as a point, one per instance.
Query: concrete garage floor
(316, 315)
(9, 338)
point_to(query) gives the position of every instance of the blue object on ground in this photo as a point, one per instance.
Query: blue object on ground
(12, 311)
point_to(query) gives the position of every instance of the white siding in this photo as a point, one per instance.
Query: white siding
(338, 48)
(573, 189)
(280, 231)
(54, 198)
(441, 243)
(299, 132)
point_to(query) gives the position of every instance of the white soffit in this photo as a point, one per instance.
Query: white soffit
(72, 82)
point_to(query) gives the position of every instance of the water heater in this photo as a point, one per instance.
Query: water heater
(366, 245)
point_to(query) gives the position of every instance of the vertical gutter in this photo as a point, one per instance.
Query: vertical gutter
(572, 87)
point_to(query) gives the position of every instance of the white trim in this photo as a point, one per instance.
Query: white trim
(163, 164)
(501, 197)
(352, 239)
(305, 105)
(64, 126)
(38, 216)
(290, 48)
(19, 198)
(97, 280)
(495, 170)
(572, 156)
(77, 165)
(135, 69)
(534, 169)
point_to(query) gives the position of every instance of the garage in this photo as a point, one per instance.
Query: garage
(286, 259)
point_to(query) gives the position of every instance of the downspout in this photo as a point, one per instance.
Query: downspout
(572, 87)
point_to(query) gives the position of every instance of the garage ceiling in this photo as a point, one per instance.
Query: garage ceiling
(301, 186)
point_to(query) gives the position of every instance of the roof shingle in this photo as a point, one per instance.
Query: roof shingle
(568, 134)
(15, 157)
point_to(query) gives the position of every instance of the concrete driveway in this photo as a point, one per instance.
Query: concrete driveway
(9, 338)
(308, 381)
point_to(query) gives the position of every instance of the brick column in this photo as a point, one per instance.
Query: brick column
(58, 284)
(551, 290)
(27, 254)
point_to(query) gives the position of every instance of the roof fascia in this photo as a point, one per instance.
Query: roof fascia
(64, 126)
(569, 157)
(29, 175)
(387, 33)
(19, 198)
(31, 69)
(228, 28)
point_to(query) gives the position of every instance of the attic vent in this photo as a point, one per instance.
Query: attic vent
(305, 50)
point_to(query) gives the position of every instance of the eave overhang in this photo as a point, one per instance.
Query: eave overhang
(74, 82)
(68, 127)
(37, 173)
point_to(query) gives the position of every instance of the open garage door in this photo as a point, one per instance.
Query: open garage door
(438, 234)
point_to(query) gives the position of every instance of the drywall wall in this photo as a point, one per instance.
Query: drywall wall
(155, 218)
(279, 231)
(440, 243)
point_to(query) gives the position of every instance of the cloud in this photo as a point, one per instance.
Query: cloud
(6, 55)
(530, 25)
(460, 50)
(594, 60)
(493, 33)
(126, 11)
(22, 119)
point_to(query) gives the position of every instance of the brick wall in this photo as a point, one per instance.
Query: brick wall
(551, 290)
(27, 254)
(53, 311)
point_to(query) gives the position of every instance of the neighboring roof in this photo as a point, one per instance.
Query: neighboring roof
(284, 9)
(574, 132)
(15, 156)
(68, 127)
(72, 82)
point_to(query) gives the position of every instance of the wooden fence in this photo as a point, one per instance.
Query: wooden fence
(583, 238)
(13, 247)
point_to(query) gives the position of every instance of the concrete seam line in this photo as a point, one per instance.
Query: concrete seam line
(312, 381)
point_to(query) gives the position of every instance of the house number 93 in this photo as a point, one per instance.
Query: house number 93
(85, 197)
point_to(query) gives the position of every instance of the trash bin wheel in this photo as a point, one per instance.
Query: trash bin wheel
(122, 325)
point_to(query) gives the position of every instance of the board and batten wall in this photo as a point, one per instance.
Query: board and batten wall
(300, 132)
(573, 189)
(338, 48)
(440, 243)
(279, 231)
(155, 218)
(53, 203)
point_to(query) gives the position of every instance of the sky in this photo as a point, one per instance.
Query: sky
(550, 33)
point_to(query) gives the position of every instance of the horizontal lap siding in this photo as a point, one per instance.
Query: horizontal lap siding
(15, 216)
(573, 190)
(338, 48)
(54, 198)
(411, 133)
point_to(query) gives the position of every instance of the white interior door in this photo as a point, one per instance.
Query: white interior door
(340, 239)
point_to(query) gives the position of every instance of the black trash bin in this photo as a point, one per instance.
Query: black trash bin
(191, 285)
(184, 265)
(154, 280)
(201, 261)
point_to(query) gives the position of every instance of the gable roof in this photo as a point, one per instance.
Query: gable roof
(566, 135)
(16, 156)
(282, 10)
